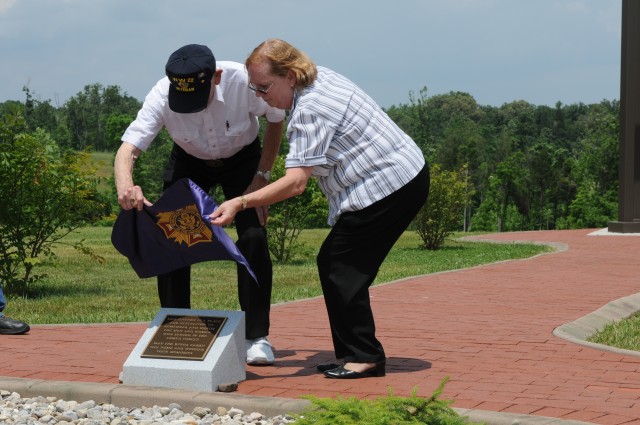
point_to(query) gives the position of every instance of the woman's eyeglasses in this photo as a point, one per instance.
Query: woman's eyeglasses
(259, 89)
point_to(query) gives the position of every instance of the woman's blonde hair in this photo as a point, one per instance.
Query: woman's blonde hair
(282, 58)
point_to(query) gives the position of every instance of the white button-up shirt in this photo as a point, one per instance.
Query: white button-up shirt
(225, 126)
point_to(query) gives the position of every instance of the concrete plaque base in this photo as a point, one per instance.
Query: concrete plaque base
(624, 226)
(224, 362)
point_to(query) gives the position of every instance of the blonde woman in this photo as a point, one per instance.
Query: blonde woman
(372, 173)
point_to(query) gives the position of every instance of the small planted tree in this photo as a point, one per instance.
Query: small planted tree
(46, 193)
(289, 217)
(443, 212)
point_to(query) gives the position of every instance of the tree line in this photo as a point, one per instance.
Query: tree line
(524, 166)
(529, 167)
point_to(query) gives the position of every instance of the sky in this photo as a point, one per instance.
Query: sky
(498, 51)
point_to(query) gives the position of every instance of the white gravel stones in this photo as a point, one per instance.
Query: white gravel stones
(15, 410)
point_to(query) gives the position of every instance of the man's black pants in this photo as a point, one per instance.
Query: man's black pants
(234, 175)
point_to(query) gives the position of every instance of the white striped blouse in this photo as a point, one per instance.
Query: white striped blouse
(358, 154)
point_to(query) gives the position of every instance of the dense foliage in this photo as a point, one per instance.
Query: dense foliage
(528, 167)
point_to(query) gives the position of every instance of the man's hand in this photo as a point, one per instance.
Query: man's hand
(263, 215)
(133, 198)
(263, 212)
(130, 196)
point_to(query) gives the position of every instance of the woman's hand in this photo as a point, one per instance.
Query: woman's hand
(293, 183)
(226, 212)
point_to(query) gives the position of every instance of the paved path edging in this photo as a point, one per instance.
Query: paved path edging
(134, 396)
(122, 395)
(583, 328)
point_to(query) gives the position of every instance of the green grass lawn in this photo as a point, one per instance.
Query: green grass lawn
(621, 334)
(79, 290)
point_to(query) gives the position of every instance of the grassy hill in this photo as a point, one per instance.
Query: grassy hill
(104, 162)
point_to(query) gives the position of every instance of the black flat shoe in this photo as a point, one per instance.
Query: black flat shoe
(342, 373)
(327, 366)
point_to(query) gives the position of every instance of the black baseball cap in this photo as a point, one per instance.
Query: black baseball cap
(190, 70)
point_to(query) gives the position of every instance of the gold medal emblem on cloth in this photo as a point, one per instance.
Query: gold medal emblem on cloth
(185, 225)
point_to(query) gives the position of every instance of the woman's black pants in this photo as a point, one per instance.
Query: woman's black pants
(348, 263)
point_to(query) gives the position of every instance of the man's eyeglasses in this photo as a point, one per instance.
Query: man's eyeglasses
(260, 90)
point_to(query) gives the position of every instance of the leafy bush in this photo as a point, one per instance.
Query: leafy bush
(449, 193)
(46, 193)
(288, 218)
(591, 210)
(382, 411)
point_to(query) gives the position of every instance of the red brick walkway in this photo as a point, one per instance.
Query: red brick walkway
(489, 329)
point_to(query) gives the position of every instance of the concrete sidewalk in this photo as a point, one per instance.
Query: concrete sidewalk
(509, 336)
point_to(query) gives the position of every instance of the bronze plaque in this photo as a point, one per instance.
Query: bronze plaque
(184, 337)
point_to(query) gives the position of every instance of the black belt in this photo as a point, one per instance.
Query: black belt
(214, 163)
(218, 163)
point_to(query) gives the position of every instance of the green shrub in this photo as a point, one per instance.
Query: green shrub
(443, 212)
(47, 193)
(288, 218)
(388, 410)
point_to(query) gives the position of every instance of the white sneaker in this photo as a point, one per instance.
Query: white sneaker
(259, 352)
